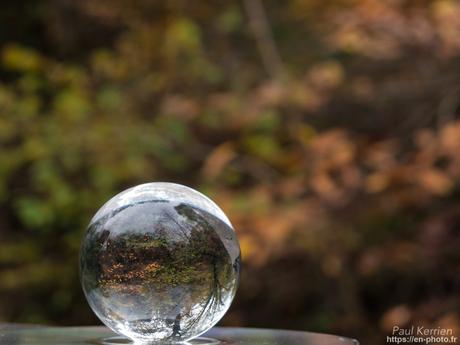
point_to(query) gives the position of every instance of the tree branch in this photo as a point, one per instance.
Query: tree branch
(260, 28)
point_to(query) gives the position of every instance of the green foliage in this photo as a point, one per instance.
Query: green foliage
(337, 161)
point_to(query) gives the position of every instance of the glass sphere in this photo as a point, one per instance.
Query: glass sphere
(160, 263)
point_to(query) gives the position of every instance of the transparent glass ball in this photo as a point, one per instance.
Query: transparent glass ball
(160, 263)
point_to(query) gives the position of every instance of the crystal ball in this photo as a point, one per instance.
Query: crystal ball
(160, 263)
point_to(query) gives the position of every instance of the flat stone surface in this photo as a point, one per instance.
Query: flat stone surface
(14, 334)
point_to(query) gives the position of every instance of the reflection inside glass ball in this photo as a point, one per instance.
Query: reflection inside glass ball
(160, 263)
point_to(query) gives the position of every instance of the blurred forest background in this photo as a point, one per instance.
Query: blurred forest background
(327, 130)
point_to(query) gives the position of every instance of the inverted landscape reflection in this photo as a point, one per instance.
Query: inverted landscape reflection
(159, 270)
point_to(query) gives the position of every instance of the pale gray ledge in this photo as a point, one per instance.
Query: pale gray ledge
(15, 334)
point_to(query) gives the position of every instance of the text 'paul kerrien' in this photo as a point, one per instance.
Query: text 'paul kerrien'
(422, 331)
